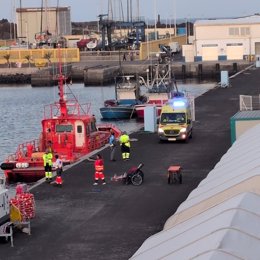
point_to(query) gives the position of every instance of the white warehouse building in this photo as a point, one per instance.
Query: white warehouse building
(227, 39)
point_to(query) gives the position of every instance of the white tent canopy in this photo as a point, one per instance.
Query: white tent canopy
(220, 218)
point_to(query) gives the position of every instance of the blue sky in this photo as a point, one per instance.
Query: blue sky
(88, 10)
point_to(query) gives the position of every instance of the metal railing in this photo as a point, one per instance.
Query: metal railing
(249, 103)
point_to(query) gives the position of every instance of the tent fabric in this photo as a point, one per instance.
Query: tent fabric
(240, 172)
(220, 219)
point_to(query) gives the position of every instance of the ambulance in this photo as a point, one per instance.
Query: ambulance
(175, 121)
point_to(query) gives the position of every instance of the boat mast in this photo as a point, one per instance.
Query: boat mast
(63, 104)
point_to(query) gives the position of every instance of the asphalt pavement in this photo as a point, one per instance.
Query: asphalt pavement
(82, 221)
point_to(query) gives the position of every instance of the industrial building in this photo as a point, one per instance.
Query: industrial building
(227, 39)
(51, 20)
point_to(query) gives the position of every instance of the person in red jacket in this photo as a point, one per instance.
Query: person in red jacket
(99, 170)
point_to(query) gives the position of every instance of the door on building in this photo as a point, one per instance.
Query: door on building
(209, 53)
(257, 48)
(235, 52)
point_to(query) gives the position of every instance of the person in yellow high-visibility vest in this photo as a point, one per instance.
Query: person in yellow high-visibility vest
(125, 146)
(47, 163)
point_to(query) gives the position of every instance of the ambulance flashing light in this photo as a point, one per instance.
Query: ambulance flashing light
(178, 103)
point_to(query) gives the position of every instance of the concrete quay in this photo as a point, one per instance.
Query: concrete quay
(102, 72)
(95, 73)
(81, 221)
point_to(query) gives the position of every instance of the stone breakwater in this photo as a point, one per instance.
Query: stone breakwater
(15, 79)
(16, 75)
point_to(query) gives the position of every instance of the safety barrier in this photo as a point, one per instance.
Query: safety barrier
(6, 230)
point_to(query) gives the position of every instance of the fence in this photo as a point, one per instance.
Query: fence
(249, 102)
(39, 57)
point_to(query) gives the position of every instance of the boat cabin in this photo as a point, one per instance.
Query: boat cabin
(127, 90)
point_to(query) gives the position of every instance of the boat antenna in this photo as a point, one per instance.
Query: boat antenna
(61, 78)
(172, 75)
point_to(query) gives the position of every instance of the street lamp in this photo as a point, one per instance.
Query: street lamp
(147, 77)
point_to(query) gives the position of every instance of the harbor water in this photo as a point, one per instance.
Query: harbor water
(22, 109)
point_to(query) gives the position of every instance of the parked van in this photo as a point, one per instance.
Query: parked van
(176, 120)
(175, 47)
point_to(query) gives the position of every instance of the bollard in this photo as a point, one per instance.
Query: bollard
(217, 71)
(200, 71)
(183, 69)
(235, 67)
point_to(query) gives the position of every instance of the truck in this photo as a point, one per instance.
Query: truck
(175, 47)
(4, 203)
(175, 122)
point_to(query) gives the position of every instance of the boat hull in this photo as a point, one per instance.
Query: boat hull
(122, 112)
(140, 110)
(27, 175)
(31, 169)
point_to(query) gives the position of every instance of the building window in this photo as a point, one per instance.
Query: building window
(209, 45)
(233, 31)
(64, 128)
(244, 31)
(79, 129)
(234, 44)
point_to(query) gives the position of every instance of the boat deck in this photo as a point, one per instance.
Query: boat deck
(82, 221)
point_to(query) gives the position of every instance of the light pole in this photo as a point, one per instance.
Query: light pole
(155, 13)
(175, 26)
(147, 77)
(186, 30)
(27, 36)
(148, 42)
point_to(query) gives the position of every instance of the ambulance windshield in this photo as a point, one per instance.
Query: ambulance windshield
(173, 118)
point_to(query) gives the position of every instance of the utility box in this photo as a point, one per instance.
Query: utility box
(242, 121)
(224, 79)
(150, 120)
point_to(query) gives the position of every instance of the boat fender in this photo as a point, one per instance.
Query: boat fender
(7, 166)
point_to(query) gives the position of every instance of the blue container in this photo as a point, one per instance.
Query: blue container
(181, 31)
(222, 57)
(198, 58)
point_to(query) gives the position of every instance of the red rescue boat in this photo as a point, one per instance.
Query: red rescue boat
(68, 129)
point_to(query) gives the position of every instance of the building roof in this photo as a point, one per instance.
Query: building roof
(220, 219)
(254, 114)
(253, 19)
(39, 9)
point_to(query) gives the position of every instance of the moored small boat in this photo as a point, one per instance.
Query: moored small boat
(160, 89)
(127, 91)
(118, 112)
